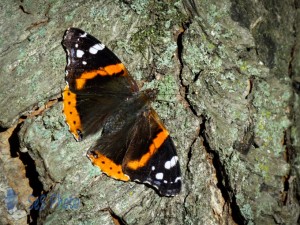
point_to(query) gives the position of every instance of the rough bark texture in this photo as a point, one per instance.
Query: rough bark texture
(228, 73)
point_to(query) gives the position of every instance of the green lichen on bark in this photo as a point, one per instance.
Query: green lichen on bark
(225, 72)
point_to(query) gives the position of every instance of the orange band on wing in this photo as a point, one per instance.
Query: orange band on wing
(108, 167)
(117, 68)
(102, 71)
(155, 145)
(70, 111)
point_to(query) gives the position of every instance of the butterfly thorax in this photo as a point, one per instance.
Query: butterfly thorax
(130, 110)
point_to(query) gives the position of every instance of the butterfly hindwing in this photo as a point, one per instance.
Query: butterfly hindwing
(100, 94)
(118, 134)
(146, 152)
(153, 160)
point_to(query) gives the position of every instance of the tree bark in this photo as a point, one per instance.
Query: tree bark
(228, 79)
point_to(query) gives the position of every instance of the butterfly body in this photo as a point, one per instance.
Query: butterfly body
(100, 94)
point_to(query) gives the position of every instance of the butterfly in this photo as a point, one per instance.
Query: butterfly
(101, 95)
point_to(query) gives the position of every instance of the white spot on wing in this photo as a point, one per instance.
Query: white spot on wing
(153, 168)
(79, 53)
(83, 35)
(177, 179)
(95, 48)
(159, 176)
(84, 62)
(171, 163)
(76, 45)
(68, 58)
(147, 182)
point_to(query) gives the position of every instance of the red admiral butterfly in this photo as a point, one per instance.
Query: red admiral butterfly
(100, 94)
